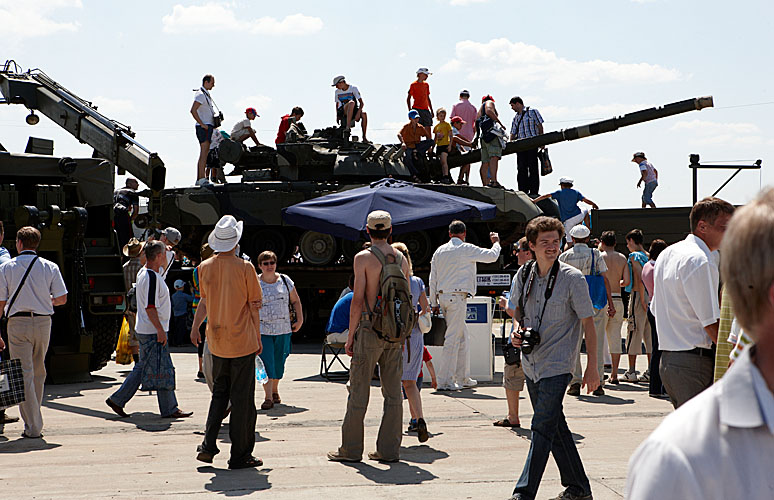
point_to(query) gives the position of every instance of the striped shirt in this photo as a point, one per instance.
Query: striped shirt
(528, 126)
(724, 346)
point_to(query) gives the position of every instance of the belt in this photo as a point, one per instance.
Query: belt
(455, 292)
(26, 314)
(700, 351)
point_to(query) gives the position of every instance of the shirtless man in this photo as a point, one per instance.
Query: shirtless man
(367, 350)
(618, 275)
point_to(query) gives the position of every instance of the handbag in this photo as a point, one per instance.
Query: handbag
(437, 332)
(4, 317)
(11, 383)
(596, 283)
(545, 162)
(293, 316)
(158, 373)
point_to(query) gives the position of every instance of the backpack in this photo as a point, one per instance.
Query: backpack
(393, 317)
(131, 299)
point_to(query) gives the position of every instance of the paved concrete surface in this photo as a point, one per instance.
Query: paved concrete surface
(88, 452)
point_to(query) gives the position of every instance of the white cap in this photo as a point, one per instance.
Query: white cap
(424, 70)
(580, 232)
(173, 235)
(566, 180)
(338, 79)
(465, 92)
(379, 219)
(226, 234)
(179, 284)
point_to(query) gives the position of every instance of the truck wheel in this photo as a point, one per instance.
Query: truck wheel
(104, 331)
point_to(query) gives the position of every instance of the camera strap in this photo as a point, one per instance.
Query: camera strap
(549, 288)
(213, 106)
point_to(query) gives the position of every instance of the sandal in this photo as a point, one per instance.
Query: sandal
(505, 423)
(275, 398)
(267, 404)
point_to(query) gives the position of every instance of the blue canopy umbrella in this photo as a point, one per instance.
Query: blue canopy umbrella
(412, 208)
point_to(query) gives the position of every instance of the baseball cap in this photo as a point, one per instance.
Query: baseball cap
(566, 180)
(338, 79)
(252, 110)
(580, 231)
(456, 119)
(379, 219)
(424, 70)
(413, 114)
(465, 92)
(639, 154)
(173, 235)
(487, 98)
(179, 284)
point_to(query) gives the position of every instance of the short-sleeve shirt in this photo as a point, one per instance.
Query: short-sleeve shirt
(426, 355)
(180, 301)
(126, 197)
(568, 202)
(560, 330)
(465, 110)
(444, 128)
(460, 147)
(339, 319)
(205, 111)
(229, 284)
(342, 97)
(44, 282)
(412, 134)
(275, 308)
(5, 255)
(637, 257)
(529, 124)
(420, 92)
(580, 257)
(650, 175)
(131, 267)
(152, 293)
(241, 129)
(283, 129)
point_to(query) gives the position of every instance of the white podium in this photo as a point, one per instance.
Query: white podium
(480, 347)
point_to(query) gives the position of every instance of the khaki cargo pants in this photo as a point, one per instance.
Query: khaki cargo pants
(368, 351)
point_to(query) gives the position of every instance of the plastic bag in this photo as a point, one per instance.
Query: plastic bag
(260, 371)
(123, 351)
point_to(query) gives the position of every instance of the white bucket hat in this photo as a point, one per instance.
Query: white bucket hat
(226, 234)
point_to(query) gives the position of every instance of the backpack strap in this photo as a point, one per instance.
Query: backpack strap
(383, 261)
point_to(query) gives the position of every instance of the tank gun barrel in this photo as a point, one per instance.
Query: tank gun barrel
(601, 127)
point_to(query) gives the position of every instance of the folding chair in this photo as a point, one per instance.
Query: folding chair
(334, 350)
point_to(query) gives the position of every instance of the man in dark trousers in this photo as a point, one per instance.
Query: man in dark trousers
(527, 123)
(126, 207)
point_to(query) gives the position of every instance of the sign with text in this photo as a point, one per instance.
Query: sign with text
(493, 280)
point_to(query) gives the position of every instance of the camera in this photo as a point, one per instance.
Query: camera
(529, 339)
(218, 119)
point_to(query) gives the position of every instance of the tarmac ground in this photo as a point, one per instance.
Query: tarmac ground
(89, 452)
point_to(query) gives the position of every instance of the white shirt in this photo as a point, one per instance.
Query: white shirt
(342, 97)
(719, 444)
(151, 292)
(580, 257)
(453, 267)
(241, 129)
(44, 282)
(205, 111)
(685, 295)
(650, 176)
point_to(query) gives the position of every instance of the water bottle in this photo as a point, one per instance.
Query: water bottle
(260, 371)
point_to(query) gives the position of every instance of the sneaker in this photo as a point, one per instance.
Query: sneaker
(574, 390)
(569, 496)
(645, 377)
(422, 430)
(412, 427)
(199, 375)
(469, 382)
(630, 377)
(599, 391)
(203, 182)
(205, 456)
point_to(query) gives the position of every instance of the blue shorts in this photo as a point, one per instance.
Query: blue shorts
(647, 193)
(204, 135)
(276, 349)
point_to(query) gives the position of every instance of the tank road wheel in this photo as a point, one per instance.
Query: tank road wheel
(104, 330)
(351, 248)
(317, 248)
(418, 243)
(269, 239)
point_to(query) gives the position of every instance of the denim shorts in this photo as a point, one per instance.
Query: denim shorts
(204, 135)
(647, 193)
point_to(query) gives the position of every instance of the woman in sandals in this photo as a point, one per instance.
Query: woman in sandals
(279, 297)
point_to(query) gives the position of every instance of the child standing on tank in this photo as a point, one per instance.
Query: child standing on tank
(419, 91)
(442, 132)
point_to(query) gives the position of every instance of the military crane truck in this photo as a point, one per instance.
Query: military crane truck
(70, 200)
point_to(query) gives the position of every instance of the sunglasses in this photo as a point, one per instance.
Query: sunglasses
(268, 263)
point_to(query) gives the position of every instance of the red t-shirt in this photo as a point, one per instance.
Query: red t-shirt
(426, 356)
(283, 129)
(420, 91)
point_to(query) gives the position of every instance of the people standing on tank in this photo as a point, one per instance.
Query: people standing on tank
(244, 129)
(527, 123)
(492, 139)
(349, 105)
(278, 323)
(180, 302)
(419, 92)
(126, 207)
(294, 117)
(413, 350)
(443, 132)
(567, 198)
(203, 112)
(467, 114)
(648, 175)
(460, 145)
(415, 148)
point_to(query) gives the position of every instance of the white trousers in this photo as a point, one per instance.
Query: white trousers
(574, 221)
(455, 363)
(28, 340)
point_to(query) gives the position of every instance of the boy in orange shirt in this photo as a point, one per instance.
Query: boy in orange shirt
(420, 92)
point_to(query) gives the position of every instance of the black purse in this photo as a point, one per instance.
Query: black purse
(4, 318)
(511, 354)
(293, 316)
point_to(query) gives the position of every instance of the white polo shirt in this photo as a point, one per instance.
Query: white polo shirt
(685, 295)
(453, 267)
(152, 292)
(43, 283)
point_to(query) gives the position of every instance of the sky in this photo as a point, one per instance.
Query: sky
(576, 62)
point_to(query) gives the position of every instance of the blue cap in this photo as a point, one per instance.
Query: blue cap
(413, 114)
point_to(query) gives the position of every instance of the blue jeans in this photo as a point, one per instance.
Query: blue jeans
(647, 193)
(421, 148)
(550, 435)
(167, 400)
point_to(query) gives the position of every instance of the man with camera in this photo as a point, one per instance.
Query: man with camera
(203, 112)
(551, 300)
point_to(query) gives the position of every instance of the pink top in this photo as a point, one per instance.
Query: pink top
(647, 277)
(465, 110)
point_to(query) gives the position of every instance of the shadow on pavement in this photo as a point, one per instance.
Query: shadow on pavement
(607, 399)
(146, 421)
(468, 394)
(626, 387)
(281, 410)
(527, 434)
(235, 483)
(397, 473)
(24, 445)
(421, 454)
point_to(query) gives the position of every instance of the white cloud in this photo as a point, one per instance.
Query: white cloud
(33, 18)
(113, 108)
(216, 17)
(509, 62)
(586, 113)
(717, 133)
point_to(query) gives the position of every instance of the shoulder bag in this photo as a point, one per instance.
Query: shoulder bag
(596, 283)
(4, 318)
(291, 309)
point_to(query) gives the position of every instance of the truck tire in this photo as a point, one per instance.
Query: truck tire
(104, 331)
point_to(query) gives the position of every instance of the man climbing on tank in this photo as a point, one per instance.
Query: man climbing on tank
(349, 105)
